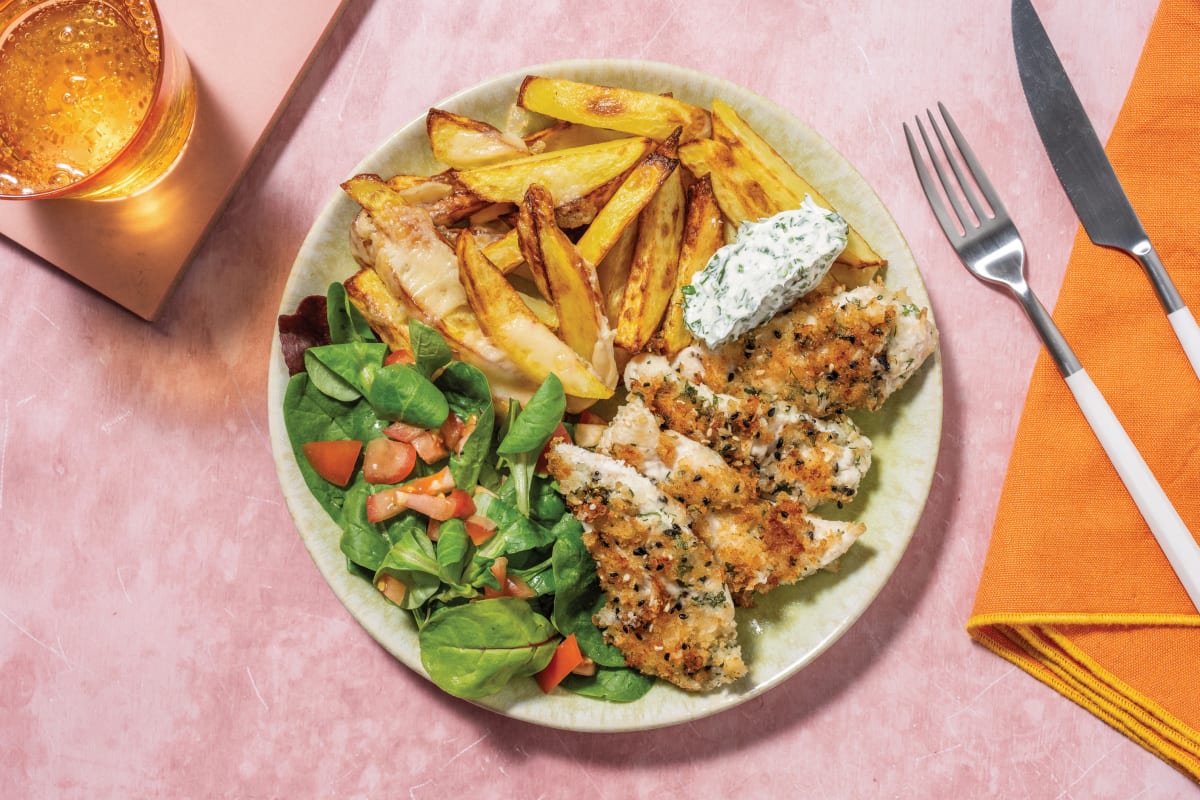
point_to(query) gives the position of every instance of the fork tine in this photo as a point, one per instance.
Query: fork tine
(927, 184)
(963, 184)
(966, 221)
(981, 178)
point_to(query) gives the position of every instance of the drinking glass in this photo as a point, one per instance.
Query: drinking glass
(96, 99)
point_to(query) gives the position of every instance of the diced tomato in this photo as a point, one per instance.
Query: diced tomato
(430, 447)
(403, 432)
(566, 658)
(591, 418)
(464, 504)
(510, 585)
(437, 483)
(387, 461)
(452, 432)
(333, 460)
(560, 435)
(480, 528)
(392, 588)
(434, 506)
(389, 503)
(399, 357)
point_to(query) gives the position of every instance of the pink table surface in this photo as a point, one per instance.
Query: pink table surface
(164, 633)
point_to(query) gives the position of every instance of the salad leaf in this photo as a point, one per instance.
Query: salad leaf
(475, 649)
(528, 430)
(345, 323)
(312, 416)
(354, 363)
(469, 396)
(363, 542)
(453, 550)
(413, 561)
(533, 425)
(514, 531)
(577, 594)
(401, 392)
(615, 685)
(430, 350)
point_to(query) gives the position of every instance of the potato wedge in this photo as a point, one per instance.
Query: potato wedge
(567, 174)
(732, 130)
(628, 110)
(421, 271)
(564, 135)
(742, 199)
(703, 235)
(613, 271)
(505, 252)
(528, 343)
(571, 283)
(462, 143)
(386, 315)
(635, 192)
(444, 197)
(655, 263)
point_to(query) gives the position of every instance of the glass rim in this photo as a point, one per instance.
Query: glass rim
(159, 76)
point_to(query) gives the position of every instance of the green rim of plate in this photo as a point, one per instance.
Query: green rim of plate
(792, 625)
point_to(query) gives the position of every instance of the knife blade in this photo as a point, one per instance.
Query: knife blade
(1084, 170)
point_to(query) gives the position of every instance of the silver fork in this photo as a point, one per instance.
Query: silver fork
(990, 246)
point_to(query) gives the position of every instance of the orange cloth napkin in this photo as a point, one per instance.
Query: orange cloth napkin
(1075, 590)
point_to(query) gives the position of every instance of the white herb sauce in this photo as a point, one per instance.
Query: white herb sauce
(769, 266)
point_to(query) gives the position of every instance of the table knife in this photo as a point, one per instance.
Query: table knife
(1085, 171)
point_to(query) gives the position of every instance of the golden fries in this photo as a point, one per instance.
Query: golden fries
(567, 174)
(461, 142)
(535, 349)
(567, 249)
(639, 113)
(703, 235)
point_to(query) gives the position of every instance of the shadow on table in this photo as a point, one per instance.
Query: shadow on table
(787, 708)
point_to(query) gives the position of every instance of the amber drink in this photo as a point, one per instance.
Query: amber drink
(96, 100)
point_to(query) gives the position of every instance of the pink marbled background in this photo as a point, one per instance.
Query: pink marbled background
(163, 632)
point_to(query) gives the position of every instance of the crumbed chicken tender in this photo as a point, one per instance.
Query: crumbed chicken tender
(836, 350)
(772, 444)
(762, 544)
(668, 610)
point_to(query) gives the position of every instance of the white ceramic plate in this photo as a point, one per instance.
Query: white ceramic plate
(790, 626)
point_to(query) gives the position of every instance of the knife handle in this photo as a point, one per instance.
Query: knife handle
(1189, 335)
(1176, 541)
(1181, 318)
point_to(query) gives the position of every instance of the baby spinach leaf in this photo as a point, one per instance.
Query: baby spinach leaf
(345, 323)
(328, 381)
(475, 649)
(312, 416)
(532, 426)
(469, 396)
(401, 392)
(363, 542)
(621, 685)
(430, 350)
(355, 363)
(577, 594)
(453, 550)
(413, 561)
(514, 531)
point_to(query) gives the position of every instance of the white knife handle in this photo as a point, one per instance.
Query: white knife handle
(1165, 523)
(1189, 335)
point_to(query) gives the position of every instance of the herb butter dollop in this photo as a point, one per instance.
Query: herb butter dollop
(769, 266)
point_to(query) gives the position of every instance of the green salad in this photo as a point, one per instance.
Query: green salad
(444, 508)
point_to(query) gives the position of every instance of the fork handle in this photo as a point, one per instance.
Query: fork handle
(1176, 541)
